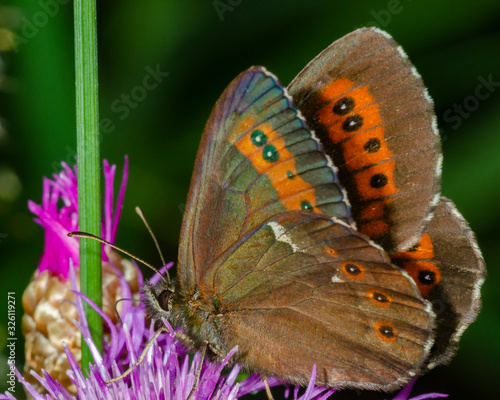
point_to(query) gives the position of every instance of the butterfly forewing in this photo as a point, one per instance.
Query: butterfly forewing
(303, 275)
(257, 159)
(372, 112)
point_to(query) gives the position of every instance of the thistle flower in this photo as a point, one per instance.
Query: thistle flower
(47, 299)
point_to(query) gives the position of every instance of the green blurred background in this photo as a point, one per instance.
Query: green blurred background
(203, 45)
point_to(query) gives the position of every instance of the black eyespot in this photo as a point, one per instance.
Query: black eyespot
(427, 277)
(372, 145)
(353, 123)
(387, 331)
(290, 175)
(378, 180)
(164, 300)
(380, 297)
(352, 269)
(343, 106)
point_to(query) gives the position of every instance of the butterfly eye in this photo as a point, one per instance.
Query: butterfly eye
(164, 300)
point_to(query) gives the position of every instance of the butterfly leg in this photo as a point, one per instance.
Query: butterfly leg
(198, 370)
(141, 358)
(268, 389)
(185, 340)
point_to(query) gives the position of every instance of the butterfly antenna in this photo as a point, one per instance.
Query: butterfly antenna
(90, 236)
(140, 213)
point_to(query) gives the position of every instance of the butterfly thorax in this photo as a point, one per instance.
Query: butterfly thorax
(198, 316)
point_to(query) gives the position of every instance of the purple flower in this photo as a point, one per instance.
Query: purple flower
(58, 220)
(166, 371)
(48, 297)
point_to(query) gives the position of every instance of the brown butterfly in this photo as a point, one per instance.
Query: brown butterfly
(278, 251)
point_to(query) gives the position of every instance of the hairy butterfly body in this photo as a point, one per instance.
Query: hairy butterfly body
(270, 258)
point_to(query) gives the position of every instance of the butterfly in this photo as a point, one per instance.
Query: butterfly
(315, 232)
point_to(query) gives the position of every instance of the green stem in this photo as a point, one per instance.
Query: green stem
(89, 184)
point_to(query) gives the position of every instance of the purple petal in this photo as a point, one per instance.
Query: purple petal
(109, 178)
(27, 386)
(405, 393)
(119, 202)
(309, 389)
(429, 396)
(156, 277)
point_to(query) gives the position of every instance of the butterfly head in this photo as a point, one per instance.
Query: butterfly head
(159, 299)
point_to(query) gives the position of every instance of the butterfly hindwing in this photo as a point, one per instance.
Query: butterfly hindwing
(372, 112)
(449, 270)
(367, 325)
(257, 159)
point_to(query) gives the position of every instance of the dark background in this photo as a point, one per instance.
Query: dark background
(455, 45)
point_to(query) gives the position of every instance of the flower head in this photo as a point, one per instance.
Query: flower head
(48, 299)
(58, 215)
